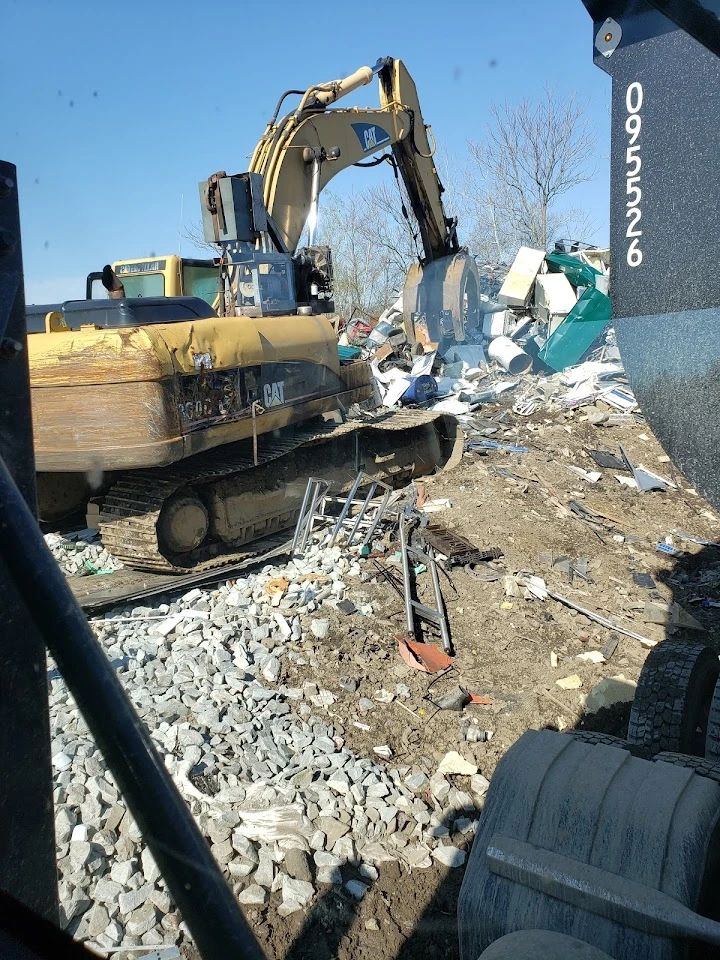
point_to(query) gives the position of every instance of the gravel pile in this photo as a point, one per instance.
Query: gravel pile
(81, 554)
(287, 808)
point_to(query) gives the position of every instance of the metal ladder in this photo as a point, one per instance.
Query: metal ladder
(437, 617)
(313, 508)
(313, 501)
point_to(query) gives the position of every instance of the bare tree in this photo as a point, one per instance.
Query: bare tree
(193, 233)
(372, 246)
(465, 199)
(532, 155)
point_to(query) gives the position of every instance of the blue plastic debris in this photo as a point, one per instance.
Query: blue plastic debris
(347, 354)
(421, 389)
(671, 551)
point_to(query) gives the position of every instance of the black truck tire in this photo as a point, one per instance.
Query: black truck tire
(712, 738)
(703, 767)
(594, 737)
(541, 945)
(559, 806)
(672, 701)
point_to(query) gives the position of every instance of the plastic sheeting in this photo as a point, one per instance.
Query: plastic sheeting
(585, 322)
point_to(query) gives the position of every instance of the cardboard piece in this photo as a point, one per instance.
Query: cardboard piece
(671, 615)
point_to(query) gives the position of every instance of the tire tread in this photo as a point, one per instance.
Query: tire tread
(665, 691)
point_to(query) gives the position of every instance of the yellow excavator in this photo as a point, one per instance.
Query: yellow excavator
(196, 431)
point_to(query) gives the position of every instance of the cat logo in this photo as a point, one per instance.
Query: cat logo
(274, 394)
(370, 135)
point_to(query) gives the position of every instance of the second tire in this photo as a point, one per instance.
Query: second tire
(673, 696)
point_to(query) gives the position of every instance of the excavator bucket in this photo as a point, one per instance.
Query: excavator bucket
(441, 299)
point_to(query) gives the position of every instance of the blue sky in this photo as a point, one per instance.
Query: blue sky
(113, 113)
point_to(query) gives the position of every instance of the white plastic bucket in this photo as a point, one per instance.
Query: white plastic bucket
(509, 355)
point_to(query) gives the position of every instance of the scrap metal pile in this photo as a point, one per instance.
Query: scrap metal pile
(362, 524)
(542, 317)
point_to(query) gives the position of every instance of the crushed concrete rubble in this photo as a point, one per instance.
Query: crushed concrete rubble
(287, 807)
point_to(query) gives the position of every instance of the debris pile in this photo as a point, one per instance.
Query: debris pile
(491, 277)
(541, 318)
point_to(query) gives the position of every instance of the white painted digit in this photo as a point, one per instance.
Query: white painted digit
(634, 254)
(633, 125)
(630, 157)
(634, 97)
(635, 214)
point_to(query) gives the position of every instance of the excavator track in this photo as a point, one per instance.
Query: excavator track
(132, 508)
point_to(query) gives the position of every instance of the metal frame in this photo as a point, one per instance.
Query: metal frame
(314, 494)
(27, 847)
(39, 604)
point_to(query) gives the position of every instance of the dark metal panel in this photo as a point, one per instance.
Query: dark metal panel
(700, 20)
(680, 169)
(673, 362)
(27, 835)
(666, 303)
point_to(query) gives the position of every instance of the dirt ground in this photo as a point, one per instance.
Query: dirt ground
(504, 645)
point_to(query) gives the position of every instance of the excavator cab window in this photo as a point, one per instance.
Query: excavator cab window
(265, 285)
(144, 285)
(200, 282)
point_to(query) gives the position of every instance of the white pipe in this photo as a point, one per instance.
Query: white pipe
(509, 355)
(314, 194)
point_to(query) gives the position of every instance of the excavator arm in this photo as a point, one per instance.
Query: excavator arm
(414, 157)
(299, 154)
(259, 217)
